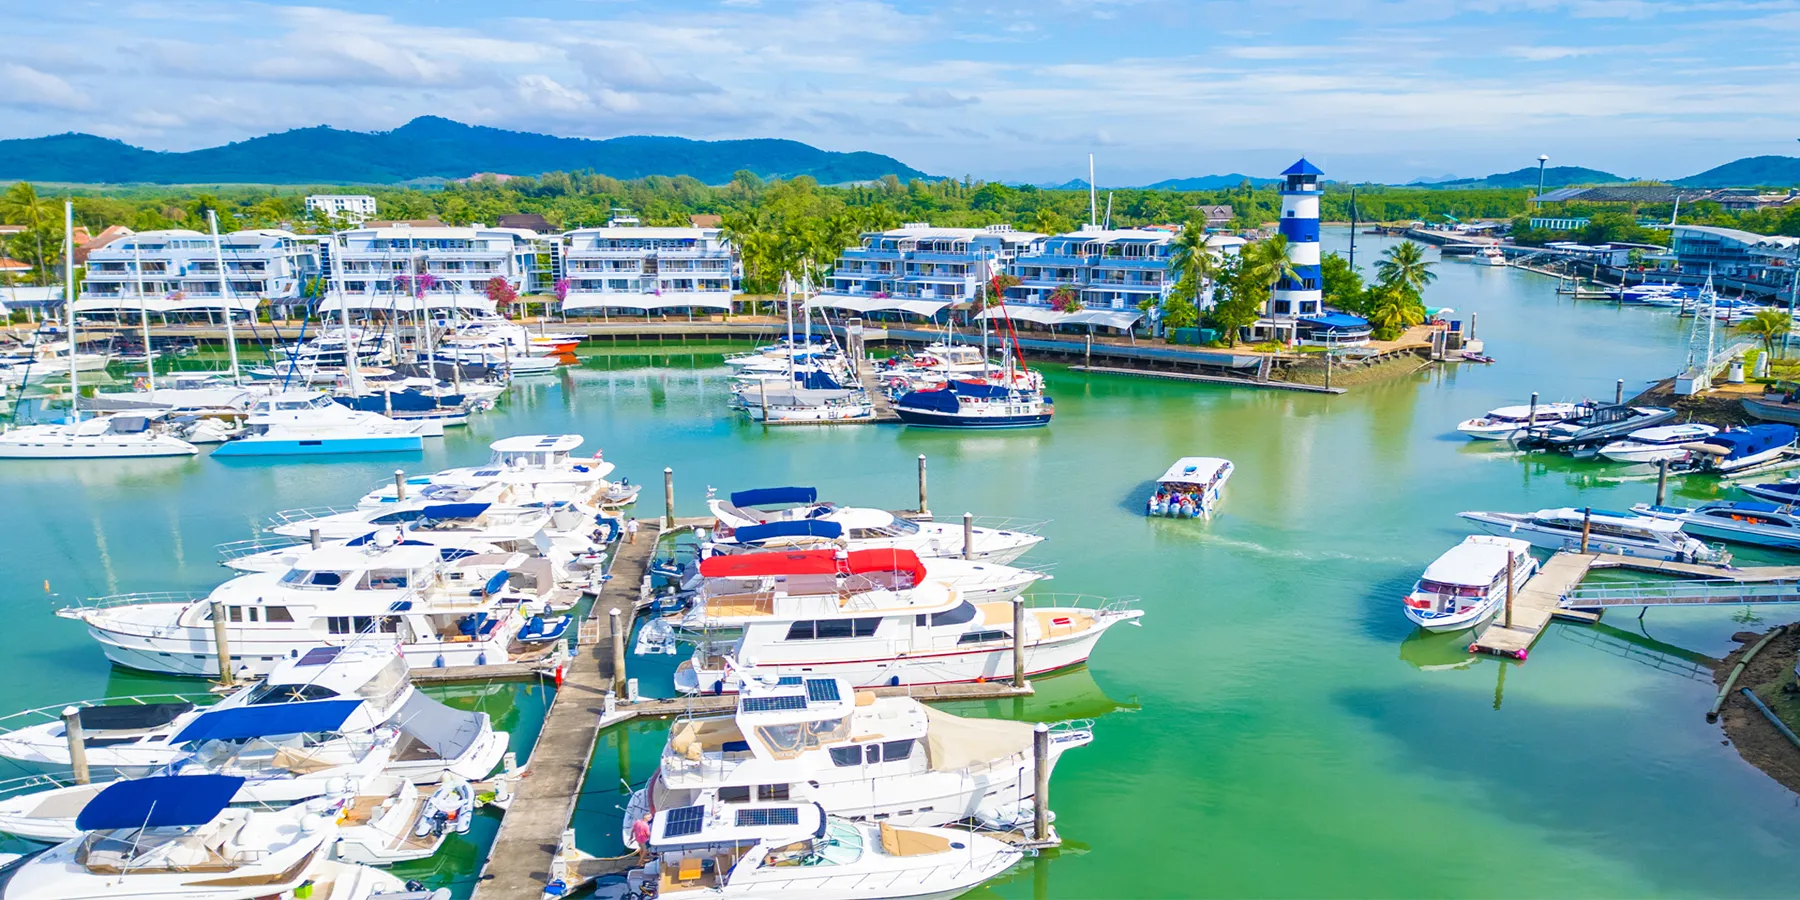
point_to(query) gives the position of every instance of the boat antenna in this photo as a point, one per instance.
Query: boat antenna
(69, 305)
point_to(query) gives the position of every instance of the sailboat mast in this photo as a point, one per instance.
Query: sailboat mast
(212, 218)
(69, 305)
(787, 279)
(351, 370)
(137, 262)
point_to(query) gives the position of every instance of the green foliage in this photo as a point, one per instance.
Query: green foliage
(1770, 325)
(1239, 297)
(1391, 310)
(40, 244)
(1343, 286)
(1403, 265)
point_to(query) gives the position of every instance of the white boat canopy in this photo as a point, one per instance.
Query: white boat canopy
(1476, 561)
(926, 308)
(1194, 470)
(1108, 318)
(629, 300)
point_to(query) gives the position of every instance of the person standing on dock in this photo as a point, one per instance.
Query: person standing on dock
(631, 527)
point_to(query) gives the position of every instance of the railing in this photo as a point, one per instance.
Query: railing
(306, 514)
(709, 768)
(230, 550)
(53, 713)
(1089, 602)
(1657, 593)
(140, 598)
(31, 784)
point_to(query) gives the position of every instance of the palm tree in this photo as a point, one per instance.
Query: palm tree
(1404, 265)
(1267, 262)
(1770, 325)
(1190, 261)
(22, 205)
(1392, 310)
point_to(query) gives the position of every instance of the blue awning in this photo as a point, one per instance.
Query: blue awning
(163, 801)
(245, 722)
(453, 511)
(781, 496)
(750, 534)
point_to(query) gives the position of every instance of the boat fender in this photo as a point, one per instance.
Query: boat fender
(559, 676)
(481, 658)
(719, 686)
(894, 681)
(439, 662)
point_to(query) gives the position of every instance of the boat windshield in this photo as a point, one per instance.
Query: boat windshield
(388, 684)
(841, 845)
(791, 740)
(313, 581)
(1452, 590)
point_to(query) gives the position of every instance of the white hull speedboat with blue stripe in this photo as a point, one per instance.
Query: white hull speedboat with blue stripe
(1606, 531)
(1467, 585)
(1650, 445)
(310, 423)
(1739, 521)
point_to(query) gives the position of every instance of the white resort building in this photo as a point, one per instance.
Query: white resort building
(633, 268)
(1111, 273)
(176, 273)
(405, 268)
(920, 270)
(352, 208)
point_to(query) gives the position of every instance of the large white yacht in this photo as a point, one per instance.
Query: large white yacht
(101, 437)
(1623, 533)
(382, 591)
(858, 756)
(803, 522)
(786, 850)
(817, 623)
(178, 836)
(369, 684)
(538, 466)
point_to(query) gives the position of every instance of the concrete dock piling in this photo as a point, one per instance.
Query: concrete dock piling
(923, 509)
(77, 743)
(224, 647)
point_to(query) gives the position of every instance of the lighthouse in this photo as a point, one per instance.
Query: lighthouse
(1300, 296)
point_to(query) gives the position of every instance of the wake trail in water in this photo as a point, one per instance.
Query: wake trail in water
(1306, 555)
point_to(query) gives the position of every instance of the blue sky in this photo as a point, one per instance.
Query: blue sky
(1369, 89)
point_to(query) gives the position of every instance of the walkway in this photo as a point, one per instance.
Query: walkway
(1534, 606)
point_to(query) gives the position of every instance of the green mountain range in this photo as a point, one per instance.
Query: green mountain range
(427, 147)
(1554, 177)
(1775, 171)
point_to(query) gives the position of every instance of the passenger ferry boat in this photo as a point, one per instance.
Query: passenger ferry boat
(1503, 422)
(765, 849)
(1739, 521)
(1655, 444)
(1191, 487)
(815, 625)
(439, 613)
(1465, 586)
(1622, 533)
(806, 523)
(858, 756)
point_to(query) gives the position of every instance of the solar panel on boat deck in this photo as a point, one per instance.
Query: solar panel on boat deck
(319, 656)
(684, 821)
(774, 704)
(822, 690)
(487, 473)
(790, 681)
(753, 818)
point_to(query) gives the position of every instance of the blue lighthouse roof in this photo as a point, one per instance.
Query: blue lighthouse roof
(1302, 168)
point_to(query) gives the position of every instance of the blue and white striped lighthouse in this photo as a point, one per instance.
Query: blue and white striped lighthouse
(1301, 296)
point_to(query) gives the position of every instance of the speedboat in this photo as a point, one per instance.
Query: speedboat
(1650, 445)
(1501, 423)
(310, 423)
(968, 404)
(382, 591)
(1597, 425)
(1742, 448)
(763, 849)
(106, 437)
(1190, 488)
(804, 523)
(541, 466)
(1785, 492)
(1739, 521)
(178, 836)
(1465, 586)
(1621, 533)
(1490, 256)
(929, 634)
(363, 689)
(861, 757)
(492, 353)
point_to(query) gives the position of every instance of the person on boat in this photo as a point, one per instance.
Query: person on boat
(640, 834)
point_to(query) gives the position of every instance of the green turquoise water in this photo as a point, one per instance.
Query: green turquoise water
(1275, 728)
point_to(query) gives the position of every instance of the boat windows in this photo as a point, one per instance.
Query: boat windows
(388, 684)
(828, 629)
(964, 612)
(734, 794)
(767, 792)
(790, 740)
(234, 613)
(313, 581)
(277, 614)
(897, 750)
(360, 624)
(895, 528)
(846, 756)
(384, 580)
(1453, 590)
(981, 637)
(289, 693)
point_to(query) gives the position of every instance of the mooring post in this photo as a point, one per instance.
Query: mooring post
(313, 533)
(618, 651)
(1619, 392)
(923, 509)
(968, 535)
(1472, 317)
(77, 743)
(1509, 586)
(1040, 799)
(1531, 416)
(1018, 642)
(400, 484)
(668, 497)
(218, 614)
(1587, 522)
(1662, 480)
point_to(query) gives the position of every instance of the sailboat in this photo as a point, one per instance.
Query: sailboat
(1016, 402)
(815, 395)
(131, 437)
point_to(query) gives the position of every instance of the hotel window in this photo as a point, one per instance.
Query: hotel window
(1309, 284)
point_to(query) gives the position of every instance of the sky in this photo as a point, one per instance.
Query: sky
(1017, 90)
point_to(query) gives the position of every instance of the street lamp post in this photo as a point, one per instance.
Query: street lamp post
(1542, 158)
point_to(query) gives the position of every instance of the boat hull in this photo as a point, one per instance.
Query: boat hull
(1759, 538)
(394, 443)
(928, 419)
(1557, 541)
(88, 449)
(1768, 411)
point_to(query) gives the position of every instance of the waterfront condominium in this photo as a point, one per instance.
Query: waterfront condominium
(405, 267)
(175, 273)
(629, 267)
(919, 269)
(1113, 274)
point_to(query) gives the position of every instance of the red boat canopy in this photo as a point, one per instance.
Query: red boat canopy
(813, 562)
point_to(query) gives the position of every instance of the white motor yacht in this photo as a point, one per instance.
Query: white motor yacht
(429, 739)
(1623, 533)
(1465, 586)
(1490, 256)
(858, 756)
(381, 591)
(310, 423)
(178, 836)
(928, 633)
(537, 466)
(1739, 521)
(804, 523)
(1502, 422)
(786, 850)
(1650, 445)
(117, 436)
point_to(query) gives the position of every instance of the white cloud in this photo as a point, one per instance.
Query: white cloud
(24, 86)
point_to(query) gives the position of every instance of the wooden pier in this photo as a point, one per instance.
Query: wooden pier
(1210, 379)
(1534, 606)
